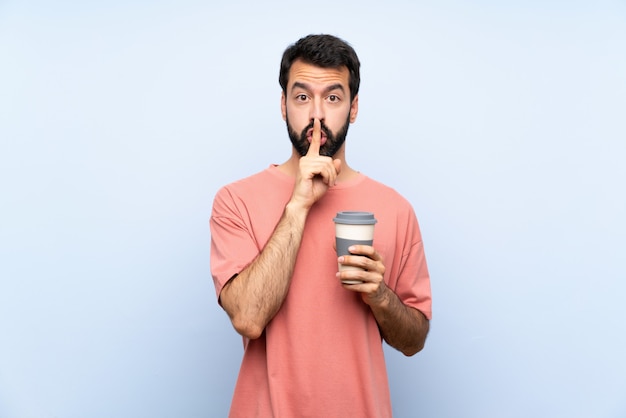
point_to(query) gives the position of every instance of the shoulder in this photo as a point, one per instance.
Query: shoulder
(255, 191)
(391, 208)
(237, 190)
(249, 181)
(383, 191)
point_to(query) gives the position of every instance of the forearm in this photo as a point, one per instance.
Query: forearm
(255, 295)
(403, 327)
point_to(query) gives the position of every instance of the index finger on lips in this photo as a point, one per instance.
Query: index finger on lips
(314, 147)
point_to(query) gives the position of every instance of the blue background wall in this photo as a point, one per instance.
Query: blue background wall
(502, 122)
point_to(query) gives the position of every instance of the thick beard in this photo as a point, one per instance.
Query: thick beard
(330, 147)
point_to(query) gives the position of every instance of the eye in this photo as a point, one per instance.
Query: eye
(333, 98)
(301, 97)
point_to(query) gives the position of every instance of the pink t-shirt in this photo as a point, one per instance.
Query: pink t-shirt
(321, 355)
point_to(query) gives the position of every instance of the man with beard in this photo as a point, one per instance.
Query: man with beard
(312, 344)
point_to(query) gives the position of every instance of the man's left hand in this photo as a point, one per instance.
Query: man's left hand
(371, 275)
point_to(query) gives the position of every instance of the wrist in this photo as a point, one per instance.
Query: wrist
(296, 210)
(294, 206)
(382, 299)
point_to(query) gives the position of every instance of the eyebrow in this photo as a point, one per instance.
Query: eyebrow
(336, 86)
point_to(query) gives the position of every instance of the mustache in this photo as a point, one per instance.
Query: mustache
(323, 128)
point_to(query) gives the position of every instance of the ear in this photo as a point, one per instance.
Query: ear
(283, 105)
(354, 108)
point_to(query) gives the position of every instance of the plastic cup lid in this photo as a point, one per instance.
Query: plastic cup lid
(355, 218)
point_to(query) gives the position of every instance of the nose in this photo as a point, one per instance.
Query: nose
(317, 109)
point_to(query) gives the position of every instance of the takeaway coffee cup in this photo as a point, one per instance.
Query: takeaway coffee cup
(353, 228)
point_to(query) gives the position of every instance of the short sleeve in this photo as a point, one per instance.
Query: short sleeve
(233, 246)
(413, 285)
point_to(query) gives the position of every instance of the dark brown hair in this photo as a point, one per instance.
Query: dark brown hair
(324, 51)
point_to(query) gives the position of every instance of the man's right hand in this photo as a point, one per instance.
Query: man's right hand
(316, 173)
(255, 295)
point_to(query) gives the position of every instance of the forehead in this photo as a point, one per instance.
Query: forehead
(305, 73)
